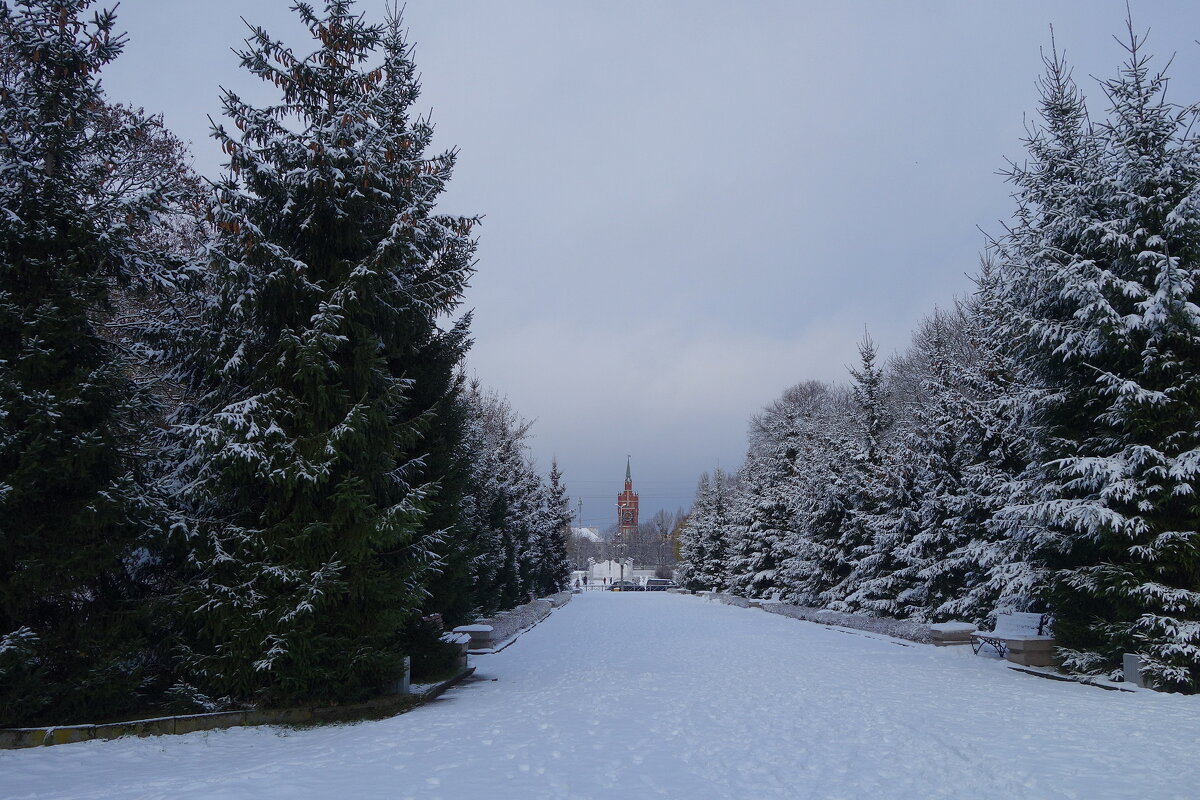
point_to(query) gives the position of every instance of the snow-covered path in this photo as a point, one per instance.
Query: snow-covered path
(666, 696)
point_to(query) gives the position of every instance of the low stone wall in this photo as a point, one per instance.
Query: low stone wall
(732, 600)
(508, 624)
(490, 633)
(377, 708)
(898, 628)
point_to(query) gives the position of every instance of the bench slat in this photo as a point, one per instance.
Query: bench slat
(1018, 623)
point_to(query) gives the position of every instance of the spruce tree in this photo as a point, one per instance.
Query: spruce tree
(76, 523)
(514, 522)
(307, 537)
(861, 475)
(554, 527)
(939, 446)
(1102, 263)
(757, 550)
(777, 486)
(995, 565)
(707, 535)
(817, 494)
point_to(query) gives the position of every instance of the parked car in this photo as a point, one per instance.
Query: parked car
(624, 586)
(660, 584)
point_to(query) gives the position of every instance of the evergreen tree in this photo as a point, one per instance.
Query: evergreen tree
(776, 493)
(995, 566)
(816, 494)
(705, 540)
(765, 522)
(1105, 254)
(75, 520)
(554, 569)
(307, 538)
(515, 523)
(861, 480)
(939, 446)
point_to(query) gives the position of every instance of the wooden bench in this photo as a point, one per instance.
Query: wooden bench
(1021, 637)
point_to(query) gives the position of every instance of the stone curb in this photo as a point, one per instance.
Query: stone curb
(19, 738)
(883, 626)
(492, 634)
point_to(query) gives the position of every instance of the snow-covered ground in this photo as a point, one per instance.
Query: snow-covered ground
(638, 695)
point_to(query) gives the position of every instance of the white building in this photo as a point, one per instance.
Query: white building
(587, 534)
(605, 572)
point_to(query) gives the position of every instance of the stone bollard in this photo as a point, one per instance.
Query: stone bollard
(401, 686)
(460, 640)
(1132, 664)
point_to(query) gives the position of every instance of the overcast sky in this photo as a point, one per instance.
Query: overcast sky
(690, 206)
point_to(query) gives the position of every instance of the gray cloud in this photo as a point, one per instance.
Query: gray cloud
(690, 206)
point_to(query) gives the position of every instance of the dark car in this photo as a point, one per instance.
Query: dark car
(660, 584)
(624, 586)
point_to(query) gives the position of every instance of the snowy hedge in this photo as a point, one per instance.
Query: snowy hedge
(508, 624)
(898, 628)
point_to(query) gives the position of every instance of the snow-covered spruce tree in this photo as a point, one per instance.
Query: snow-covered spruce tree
(873, 583)
(705, 539)
(552, 568)
(498, 533)
(483, 509)
(941, 442)
(524, 516)
(813, 493)
(861, 477)
(1102, 262)
(305, 484)
(776, 490)
(440, 393)
(75, 516)
(514, 521)
(690, 554)
(763, 523)
(994, 567)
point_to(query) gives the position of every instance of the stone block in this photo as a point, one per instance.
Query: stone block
(1132, 667)
(69, 734)
(208, 722)
(402, 682)
(1031, 651)
(15, 738)
(946, 634)
(145, 727)
(481, 635)
(1034, 658)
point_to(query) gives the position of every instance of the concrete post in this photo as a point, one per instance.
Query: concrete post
(401, 686)
(1132, 664)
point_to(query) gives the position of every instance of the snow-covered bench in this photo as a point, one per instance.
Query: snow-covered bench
(481, 637)
(1021, 637)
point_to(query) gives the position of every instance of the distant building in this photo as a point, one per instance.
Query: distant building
(627, 508)
(606, 572)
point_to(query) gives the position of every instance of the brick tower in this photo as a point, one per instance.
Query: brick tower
(627, 508)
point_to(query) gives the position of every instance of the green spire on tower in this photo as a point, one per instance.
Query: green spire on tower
(628, 474)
